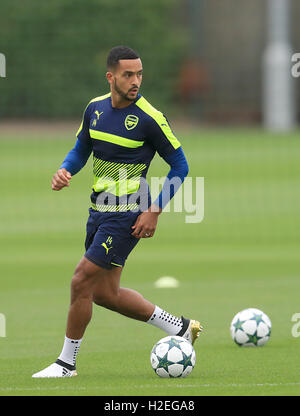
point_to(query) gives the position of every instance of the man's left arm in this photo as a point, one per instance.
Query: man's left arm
(147, 221)
(177, 174)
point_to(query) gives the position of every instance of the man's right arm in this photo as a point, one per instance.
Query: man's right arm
(77, 157)
(73, 163)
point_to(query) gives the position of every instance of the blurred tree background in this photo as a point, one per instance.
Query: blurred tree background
(56, 52)
(202, 58)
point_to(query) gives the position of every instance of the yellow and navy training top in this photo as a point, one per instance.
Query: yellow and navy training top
(123, 142)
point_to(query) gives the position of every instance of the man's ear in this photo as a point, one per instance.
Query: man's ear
(109, 77)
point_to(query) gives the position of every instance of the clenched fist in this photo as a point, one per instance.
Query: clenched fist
(61, 179)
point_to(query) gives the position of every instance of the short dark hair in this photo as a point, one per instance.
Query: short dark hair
(120, 52)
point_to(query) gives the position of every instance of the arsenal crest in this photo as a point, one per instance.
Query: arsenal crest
(131, 121)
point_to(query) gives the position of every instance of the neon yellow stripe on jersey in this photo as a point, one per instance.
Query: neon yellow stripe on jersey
(100, 98)
(118, 188)
(116, 171)
(112, 138)
(80, 128)
(115, 208)
(160, 119)
(117, 178)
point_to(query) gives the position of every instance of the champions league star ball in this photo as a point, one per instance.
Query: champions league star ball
(173, 356)
(250, 327)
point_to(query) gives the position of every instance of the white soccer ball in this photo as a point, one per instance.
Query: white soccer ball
(173, 356)
(250, 327)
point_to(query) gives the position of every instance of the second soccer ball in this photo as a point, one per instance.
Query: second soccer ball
(250, 327)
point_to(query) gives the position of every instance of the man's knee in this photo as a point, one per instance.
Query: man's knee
(107, 291)
(85, 268)
(107, 297)
(85, 276)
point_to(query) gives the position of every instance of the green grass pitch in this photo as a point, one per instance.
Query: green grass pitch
(245, 253)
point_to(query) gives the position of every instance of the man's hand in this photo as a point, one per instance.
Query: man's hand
(61, 179)
(146, 223)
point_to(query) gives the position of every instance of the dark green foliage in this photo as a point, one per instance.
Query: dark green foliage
(56, 52)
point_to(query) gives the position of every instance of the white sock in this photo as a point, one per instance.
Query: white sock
(70, 351)
(165, 321)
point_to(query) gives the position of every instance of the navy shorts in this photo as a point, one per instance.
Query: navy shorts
(108, 237)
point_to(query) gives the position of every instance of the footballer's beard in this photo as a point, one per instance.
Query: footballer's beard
(123, 94)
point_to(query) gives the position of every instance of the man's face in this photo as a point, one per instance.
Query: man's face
(126, 79)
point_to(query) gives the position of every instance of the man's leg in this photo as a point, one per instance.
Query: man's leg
(86, 276)
(92, 283)
(108, 293)
(128, 302)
